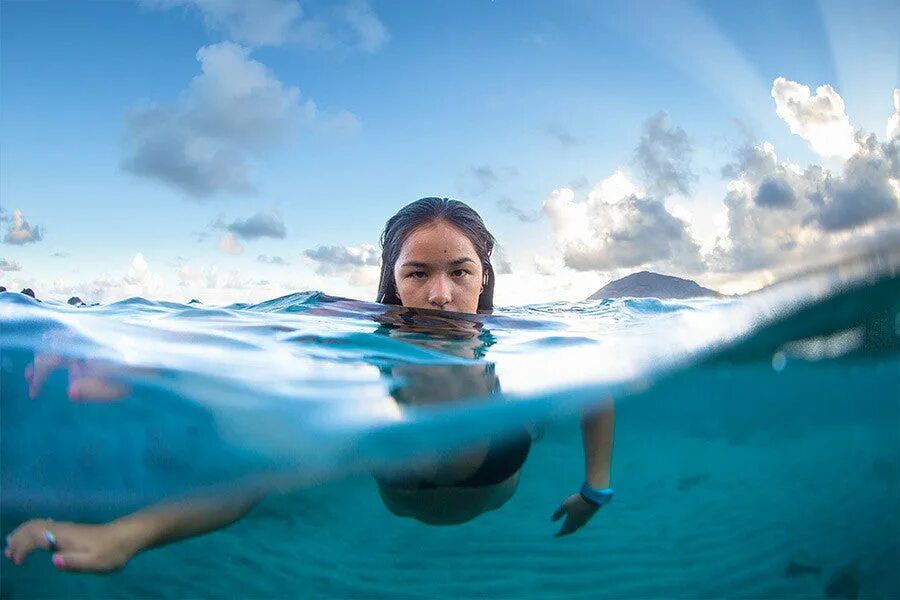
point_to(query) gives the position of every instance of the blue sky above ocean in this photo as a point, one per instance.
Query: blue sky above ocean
(225, 151)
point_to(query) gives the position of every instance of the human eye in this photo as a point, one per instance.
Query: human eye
(417, 275)
(461, 273)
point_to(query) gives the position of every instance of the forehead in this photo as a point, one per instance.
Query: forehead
(437, 239)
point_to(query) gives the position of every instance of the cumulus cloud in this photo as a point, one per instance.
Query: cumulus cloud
(892, 131)
(138, 271)
(20, 231)
(663, 156)
(9, 265)
(190, 276)
(616, 227)
(506, 205)
(819, 119)
(233, 110)
(777, 211)
(333, 260)
(140, 280)
(271, 260)
(547, 266)
(229, 244)
(276, 22)
(775, 192)
(865, 192)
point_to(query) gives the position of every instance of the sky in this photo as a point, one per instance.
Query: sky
(239, 151)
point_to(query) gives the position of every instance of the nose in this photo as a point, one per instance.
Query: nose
(439, 294)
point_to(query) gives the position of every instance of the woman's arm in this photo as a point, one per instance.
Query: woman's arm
(597, 433)
(107, 547)
(597, 436)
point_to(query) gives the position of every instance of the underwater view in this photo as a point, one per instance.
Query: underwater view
(755, 455)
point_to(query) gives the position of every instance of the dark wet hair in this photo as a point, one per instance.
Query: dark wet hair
(423, 212)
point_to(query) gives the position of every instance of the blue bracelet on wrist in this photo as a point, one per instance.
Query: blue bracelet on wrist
(597, 497)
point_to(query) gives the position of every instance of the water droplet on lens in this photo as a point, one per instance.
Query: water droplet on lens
(779, 361)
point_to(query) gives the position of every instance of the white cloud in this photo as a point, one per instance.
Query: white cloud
(549, 280)
(371, 33)
(188, 275)
(548, 266)
(365, 277)
(258, 226)
(500, 261)
(261, 22)
(228, 244)
(272, 260)
(235, 280)
(332, 260)
(777, 212)
(892, 131)
(21, 232)
(234, 110)
(140, 280)
(276, 22)
(351, 271)
(616, 227)
(138, 270)
(819, 119)
(866, 191)
(664, 157)
(209, 284)
(9, 265)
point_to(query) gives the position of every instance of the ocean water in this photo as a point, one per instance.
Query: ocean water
(757, 441)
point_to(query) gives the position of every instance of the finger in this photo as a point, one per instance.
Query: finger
(569, 526)
(25, 539)
(96, 389)
(75, 561)
(559, 512)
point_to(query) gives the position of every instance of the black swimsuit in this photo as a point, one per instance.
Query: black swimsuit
(504, 457)
(502, 461)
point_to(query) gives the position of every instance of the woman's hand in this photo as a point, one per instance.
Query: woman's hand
(91, 548)
(578, 512)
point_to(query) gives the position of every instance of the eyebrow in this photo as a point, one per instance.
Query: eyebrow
(452, 263)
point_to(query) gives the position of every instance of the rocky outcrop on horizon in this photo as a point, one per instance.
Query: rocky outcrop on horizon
(652, 285)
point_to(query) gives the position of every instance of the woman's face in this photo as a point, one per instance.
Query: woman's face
(439, 268)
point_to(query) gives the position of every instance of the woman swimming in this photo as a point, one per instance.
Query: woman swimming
(435, 256)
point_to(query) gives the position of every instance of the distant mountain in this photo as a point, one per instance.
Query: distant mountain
(652, 285)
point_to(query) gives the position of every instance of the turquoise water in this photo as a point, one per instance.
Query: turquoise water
(757, 448)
